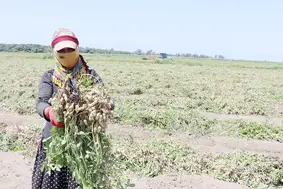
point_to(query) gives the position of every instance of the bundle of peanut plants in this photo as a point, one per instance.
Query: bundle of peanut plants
(83, 144)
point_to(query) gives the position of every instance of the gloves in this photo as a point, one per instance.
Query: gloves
(50, 115)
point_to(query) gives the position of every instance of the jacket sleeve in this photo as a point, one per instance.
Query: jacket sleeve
(44, 94)
(95, 76)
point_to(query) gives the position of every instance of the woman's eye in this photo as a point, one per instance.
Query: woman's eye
(62, 57)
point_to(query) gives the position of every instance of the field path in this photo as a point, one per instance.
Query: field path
(16, 171)
(212, 145)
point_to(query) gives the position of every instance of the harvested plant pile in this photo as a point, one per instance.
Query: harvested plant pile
(83, 145)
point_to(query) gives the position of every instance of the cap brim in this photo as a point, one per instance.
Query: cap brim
(65, 44)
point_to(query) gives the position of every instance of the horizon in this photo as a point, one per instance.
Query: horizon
(144, 54)
(237, 30)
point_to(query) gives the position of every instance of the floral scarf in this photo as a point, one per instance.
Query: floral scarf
(61, 74)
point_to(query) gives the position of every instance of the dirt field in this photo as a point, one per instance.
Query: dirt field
(197, 123)
(16, 169)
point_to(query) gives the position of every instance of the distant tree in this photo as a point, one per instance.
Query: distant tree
(139, 52)
(187, 55)
(149, 52)
(84, 50)
(91, 51)
(195, 55)
(218, 57)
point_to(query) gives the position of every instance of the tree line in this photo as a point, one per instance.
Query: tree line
(36, 48)
(200, 56)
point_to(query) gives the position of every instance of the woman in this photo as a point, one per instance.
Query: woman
(69, 63)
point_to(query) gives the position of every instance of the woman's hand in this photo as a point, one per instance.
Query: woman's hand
(50, 115)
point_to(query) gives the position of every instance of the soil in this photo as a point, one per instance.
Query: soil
(16, 171)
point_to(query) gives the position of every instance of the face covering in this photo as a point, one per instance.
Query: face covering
(68, 60)
(61, 74)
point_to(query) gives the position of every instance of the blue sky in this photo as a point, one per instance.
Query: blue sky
(239, 29)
